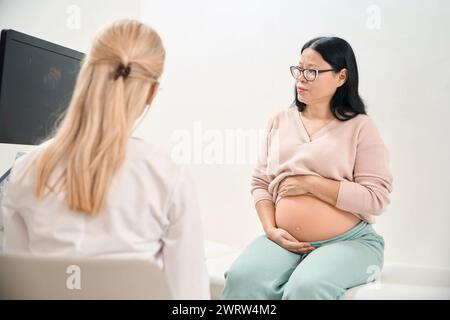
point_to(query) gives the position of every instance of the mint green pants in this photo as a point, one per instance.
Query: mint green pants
(266, 270)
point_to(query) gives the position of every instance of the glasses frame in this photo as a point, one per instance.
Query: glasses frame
(316, 72)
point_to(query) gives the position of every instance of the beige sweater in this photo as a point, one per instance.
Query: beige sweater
(351, 152)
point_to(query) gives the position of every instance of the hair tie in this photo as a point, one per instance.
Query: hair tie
(123, 71)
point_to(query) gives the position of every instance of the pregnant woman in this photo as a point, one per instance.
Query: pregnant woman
(322, 177)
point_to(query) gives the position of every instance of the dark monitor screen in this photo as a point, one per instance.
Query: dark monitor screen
(37, 79)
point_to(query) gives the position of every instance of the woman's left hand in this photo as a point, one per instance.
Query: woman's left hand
(294, 186)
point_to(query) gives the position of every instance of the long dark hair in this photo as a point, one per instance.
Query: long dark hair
(346, 102)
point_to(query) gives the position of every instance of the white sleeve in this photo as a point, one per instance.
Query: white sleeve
(183, 246)
(15, 235)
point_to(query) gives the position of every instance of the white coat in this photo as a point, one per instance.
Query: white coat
(151, 212)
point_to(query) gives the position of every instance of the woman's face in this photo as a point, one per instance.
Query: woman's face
(322, 89)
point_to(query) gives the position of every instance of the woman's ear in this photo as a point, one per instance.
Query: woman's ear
(152, 93)
(342, 77)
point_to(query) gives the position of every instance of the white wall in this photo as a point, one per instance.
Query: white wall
(227, 67)
(227, 71)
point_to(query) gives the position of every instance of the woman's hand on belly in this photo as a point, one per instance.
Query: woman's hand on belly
(294, 186)
(308, 218)
(287, 241)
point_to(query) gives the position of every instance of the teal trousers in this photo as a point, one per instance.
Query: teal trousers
(266, 270)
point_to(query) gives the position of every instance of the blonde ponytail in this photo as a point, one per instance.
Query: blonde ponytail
(110, 94)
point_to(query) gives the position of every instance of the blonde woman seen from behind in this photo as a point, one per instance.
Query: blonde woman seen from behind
(96, 189)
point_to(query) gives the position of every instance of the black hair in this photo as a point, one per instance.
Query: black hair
(346, 102)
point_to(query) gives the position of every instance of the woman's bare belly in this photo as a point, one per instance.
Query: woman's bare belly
(308, 218)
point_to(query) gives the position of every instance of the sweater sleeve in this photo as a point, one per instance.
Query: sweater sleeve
(261, 177)
(369, 192)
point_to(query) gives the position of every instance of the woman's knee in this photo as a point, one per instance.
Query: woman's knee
(240, 283)
(251, 274)
(237, 274)
(311, 288)
(250, 262)
(244, 271)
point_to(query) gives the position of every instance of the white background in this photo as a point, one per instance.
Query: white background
(227, 70)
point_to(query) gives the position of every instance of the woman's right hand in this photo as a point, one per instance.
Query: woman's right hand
(287, 241)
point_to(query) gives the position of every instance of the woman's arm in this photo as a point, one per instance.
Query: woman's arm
(15, 237)
(266, 214)
(325, 189)
(261, 176)
(183, 244)
(367, 194)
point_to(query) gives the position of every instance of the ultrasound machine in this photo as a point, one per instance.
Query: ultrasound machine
(37, 79)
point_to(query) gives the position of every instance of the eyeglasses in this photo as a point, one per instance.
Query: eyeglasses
(308, 74)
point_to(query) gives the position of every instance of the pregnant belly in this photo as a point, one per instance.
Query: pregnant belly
(308, 218)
